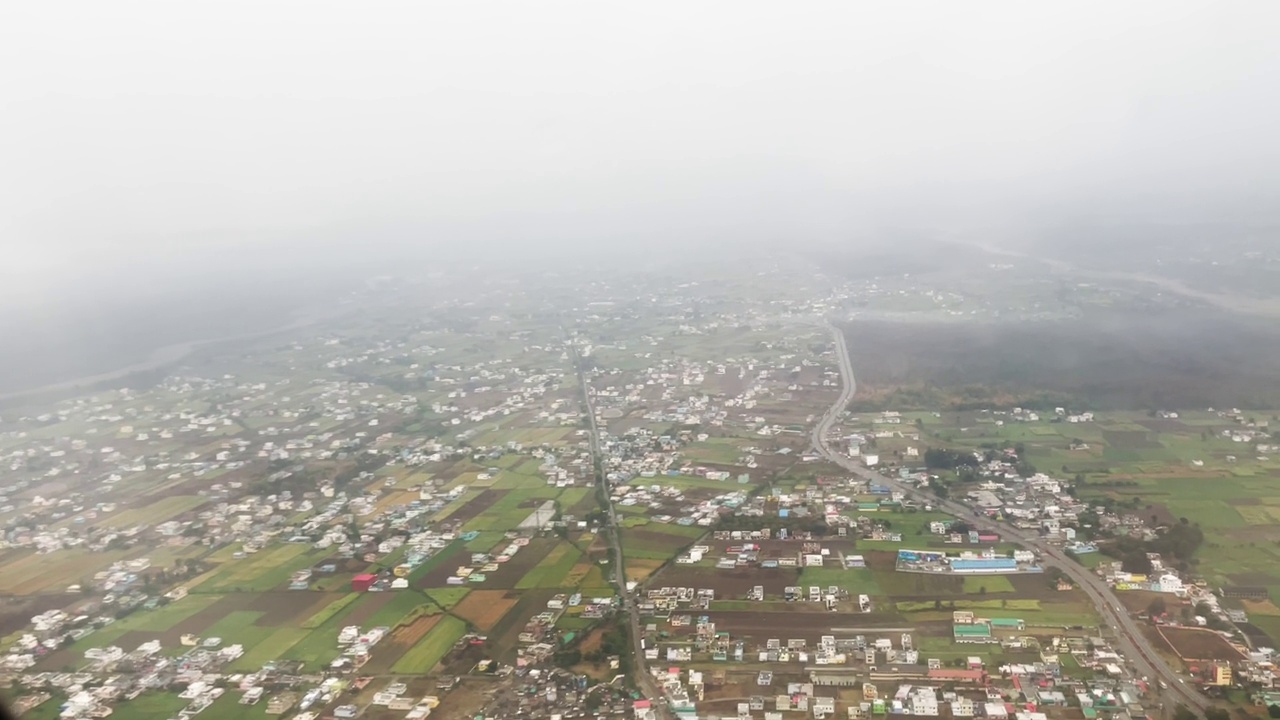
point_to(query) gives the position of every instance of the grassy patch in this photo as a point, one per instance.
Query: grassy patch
(432, 648)
(987, 584)
(447, 597)
(327, 612)
(551, 571)
(157, 512)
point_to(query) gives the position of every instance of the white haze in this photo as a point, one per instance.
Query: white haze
(136, 138)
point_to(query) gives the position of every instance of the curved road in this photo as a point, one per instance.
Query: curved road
(1131, 643)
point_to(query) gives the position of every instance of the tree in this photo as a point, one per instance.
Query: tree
(1157, 607)
(1216, 713)
(1273, 711)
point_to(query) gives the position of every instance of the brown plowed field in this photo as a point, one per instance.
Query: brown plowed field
(16, 613)
(1194, 644)
(476, 505)
(282, 607)
(365, 609)
(401, 640)
(807, 625)
(484, 608)
(728, 584)
(505, 577)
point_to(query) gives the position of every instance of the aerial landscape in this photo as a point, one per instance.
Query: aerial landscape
(505, 410)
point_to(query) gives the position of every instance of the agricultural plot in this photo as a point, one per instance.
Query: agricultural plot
(484, 608)
(432, 648)
(29, 573)
(266, 570)
(550, 572)
(1198, 466)
(1195, 644)
(154, 513)
(657, 541)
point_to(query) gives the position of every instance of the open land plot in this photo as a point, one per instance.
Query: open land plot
(1193, 644)
(448, 597)
(153, 513)
(505, 577)
(324, 614)
(439, 565)
(857, 581)
(511, 508)
(32, 573)
(432, 648)
(503, 637)
(658, 541)
(402, 640)
(551, 570)
(16, 611)
(484, 608)
(720, 450)
(385, 609)
(728, 584)
(265, 570)
(639, 570)
(808, 625)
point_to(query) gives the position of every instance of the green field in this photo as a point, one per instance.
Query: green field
(981, 585)
(447, 597)
(552, 569)
(268, 569)
(155, 513)
(432, 648)
(152, 706)
(1184, 467)
(329, 611)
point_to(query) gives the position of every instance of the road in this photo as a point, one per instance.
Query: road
(643, 679)
(1131, 643)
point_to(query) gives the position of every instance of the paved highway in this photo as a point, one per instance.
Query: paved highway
(643, 679)
(1131, 643)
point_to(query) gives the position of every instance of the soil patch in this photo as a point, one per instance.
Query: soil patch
(485, 608)
(282, 607)
(505, 577)
(476, 506)
(16, 612)
(808, 625)
(198, 623)
(729, 584)
(1199, 645)
(365, 609)
(401, 640)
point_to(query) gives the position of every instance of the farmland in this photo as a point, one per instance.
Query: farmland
(413, 490)
(1157, 467)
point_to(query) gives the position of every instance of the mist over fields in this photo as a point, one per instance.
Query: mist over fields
(1114, 359)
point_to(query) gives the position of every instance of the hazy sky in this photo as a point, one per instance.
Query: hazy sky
(187, 132)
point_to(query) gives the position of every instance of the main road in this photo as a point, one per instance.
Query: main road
(1132, 644)
(644, 680)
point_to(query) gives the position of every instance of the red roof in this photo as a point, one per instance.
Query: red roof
(365, 577)
(640, 705)
(945, 674)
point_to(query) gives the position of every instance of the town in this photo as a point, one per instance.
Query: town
(653, 500)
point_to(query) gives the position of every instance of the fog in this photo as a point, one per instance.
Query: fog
(160, 145)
